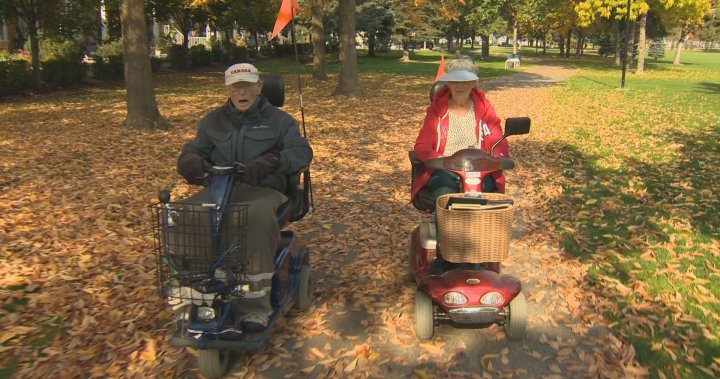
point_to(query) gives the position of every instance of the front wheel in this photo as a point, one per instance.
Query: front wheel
(305, 292)
(424, 316)
(213, 363)
(517, 321)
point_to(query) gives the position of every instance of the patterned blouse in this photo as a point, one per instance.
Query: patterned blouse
(461, 132)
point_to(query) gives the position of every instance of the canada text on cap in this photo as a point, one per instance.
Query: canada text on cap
(241, 72)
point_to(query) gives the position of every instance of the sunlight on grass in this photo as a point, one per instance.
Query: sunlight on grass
(662, 134)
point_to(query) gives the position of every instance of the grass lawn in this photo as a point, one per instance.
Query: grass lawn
(638, 203)
(422, 62)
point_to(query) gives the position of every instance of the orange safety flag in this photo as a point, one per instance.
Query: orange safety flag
(441, 68)
(288, 9)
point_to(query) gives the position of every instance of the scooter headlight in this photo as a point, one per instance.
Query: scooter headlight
(492, 298)
(454, 298)
(206, 313)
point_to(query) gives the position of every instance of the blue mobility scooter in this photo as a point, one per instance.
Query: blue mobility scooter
(201, 263)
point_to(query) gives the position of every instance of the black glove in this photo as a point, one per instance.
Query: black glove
(193, 167)
(259, 169)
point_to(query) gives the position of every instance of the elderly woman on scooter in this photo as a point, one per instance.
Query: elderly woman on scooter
(459, 117)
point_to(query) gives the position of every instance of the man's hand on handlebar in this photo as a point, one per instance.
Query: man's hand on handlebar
(193, 167)
(257, 170)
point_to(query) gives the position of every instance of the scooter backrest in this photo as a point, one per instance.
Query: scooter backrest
(273, 88)
(435, 88)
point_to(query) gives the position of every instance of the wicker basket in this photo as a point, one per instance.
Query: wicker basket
(474, 236)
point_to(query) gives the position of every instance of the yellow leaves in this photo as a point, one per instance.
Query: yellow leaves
(16, 331)
(149, 354)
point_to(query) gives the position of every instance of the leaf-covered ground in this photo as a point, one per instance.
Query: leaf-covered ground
(77, 270)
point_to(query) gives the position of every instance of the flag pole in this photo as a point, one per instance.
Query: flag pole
(306, 177)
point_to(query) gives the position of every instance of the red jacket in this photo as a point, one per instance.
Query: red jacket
(432, 138)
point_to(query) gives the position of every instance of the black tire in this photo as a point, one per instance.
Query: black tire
(424, 316)
(517, 320)
(213, 363)
(305, 292)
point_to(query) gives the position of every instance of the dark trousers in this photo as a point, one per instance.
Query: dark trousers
(443, 182)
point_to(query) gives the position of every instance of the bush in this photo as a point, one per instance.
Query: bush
(15, 76)
(110, 68)
(605, 46)
(156, 63)
(178, 57)
(109, 49)
(62, 72)
(109, 61)
(61, 62)
(239, 53)
(199, 57)
(657, 49)
(218, 51)
(52, 48)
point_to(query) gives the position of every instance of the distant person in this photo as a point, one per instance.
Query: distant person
(263, 141)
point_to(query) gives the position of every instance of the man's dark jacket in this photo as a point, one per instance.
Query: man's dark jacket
(226, 135)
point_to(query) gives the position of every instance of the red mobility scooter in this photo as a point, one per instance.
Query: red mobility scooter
(471, 230)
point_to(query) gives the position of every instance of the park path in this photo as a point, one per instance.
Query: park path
(360, 324)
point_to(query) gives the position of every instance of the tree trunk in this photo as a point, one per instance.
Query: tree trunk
(567, 45)
(515, 37)
(678, 48)
(348, 83)
(318, 41)
(142, 110)
(631, 45)
(578, 47)
(485, 46)
(618, 52)
(371, 45)
(34, 50)
(561, 45)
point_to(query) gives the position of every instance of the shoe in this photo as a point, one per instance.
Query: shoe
(254, 322)
(439, 266)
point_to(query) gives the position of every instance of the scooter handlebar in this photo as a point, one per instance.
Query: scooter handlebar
(471, 160)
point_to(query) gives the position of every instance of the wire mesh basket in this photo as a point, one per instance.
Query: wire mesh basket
(474, 235)
(200, 250)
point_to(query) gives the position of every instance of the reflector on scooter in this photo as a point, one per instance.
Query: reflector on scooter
(206, 313)
(492, 298)
(455, 298)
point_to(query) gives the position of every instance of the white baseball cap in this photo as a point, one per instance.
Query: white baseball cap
(241, 72)
(458, 76)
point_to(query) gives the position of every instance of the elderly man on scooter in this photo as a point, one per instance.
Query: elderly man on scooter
(265, 144)
(459, 117)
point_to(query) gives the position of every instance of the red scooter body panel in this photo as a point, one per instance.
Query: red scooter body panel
(420, 258)
(471, 283)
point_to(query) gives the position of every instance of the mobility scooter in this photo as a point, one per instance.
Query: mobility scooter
(471, 230)
(201, 262)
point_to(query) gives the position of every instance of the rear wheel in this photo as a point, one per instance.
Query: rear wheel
(424, 318)
(516, 322)
(305, 292)
(213, 363)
